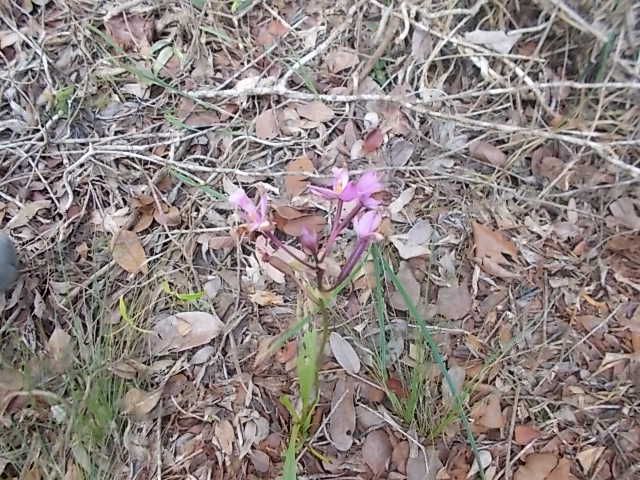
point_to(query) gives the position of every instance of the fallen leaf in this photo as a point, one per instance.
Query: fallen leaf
(260, 461)
(396, 386)
(525, 434)
(139, 403)
(288, 352)
(27, 212)
(588, 458)
(296, 184)
(224, 435)
(182, 331)
(376, 451)
(410, 284)
(267, 124)
(315, 111)
(344, 353)
(549, 168)
(494, 251)
(343, 421)
(488, 153)
(131, 31)
(340, 60)
(372, 141)
(408, 249)
(421, 45)
(544, 466)
(399, 456)
(484, 458)
(626, 211)
(266, 298)
(400, 152)
(294, 227)
(168, 217)
(454, 302)
(60, 351)
(496, 40)
(400, 203)
(419, 468)
(487, 413)
(457, 375)
(128, 252)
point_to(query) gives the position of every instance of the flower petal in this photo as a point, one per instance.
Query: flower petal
(366, 224)
(327, 193)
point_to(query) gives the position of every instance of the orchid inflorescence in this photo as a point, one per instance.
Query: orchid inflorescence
(363, 215)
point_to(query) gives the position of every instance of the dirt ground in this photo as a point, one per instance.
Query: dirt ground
(493, 332)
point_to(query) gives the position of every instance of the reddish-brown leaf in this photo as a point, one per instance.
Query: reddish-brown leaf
(494, 251)
(267, 124)
(128, 252)
(296, 184)
(376, 451)
(131, 31)
(372, 141)
(523, 434)
(488, 153)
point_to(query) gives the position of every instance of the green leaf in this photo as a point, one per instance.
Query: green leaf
(199, 4)
(219, 34)
(161, 60)
(239, 5)
(183, 297)
(289, 468)
(307, 367)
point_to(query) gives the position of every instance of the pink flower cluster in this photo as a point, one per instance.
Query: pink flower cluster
(363, 216)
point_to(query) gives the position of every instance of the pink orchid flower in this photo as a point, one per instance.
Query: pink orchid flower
(254, 214)
(366, 226)
(366, 186)
(343, 189)
(309, 240)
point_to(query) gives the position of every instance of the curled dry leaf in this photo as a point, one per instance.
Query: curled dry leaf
(410, 284)
(494, 251)
(343, 421)
(267, 124)
(340, 60)
(315, 111)
(487, 413)
(128, 252)
(488, 153)
(60, 352)
(182, 331)
(454, 302)
(266, 298)
(376, 451)
(131, 31)
(138, 403)
(544, 466)
(344, 353)
(27, 212)
(297, 184)
(496, 40)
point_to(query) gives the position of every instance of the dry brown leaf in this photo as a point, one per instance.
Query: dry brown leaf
(138, 403)
(376, 451)
(260, 461)
(524, 434)
(60, 351)
(626, 211)
(372, 141)
(399, 456)
(224, 436)
(266, 298)
(315, 111)
(400, 152)
(457, 375)
(182, 331)
(131, 31)
(340, 60)
(419, 468)
(168, 217)
(297, 184)
(343, 421)
(487, 414)
(27, 212)
(128, 252)
(295, 226)
(488, 153)
(454, 302)
(497, 40)
(407, 249)
(544, 466)
(547, 167)
(344, 353)
(410, 284)
(400, 203)
(494, 251)
(267, 124)
(588, 458)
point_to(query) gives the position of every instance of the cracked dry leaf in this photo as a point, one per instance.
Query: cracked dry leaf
(494, 252)
(182, 331)
(544, 466)
(138, 403)
(376, 451)
(343, 422)
(128, 252)
(344, 353)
